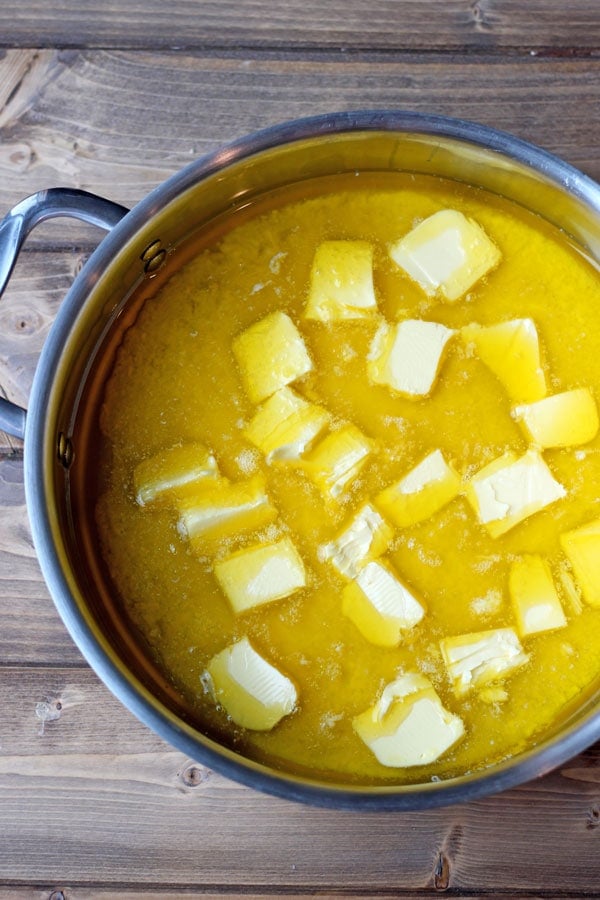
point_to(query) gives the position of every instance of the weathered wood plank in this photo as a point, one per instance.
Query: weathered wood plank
(27, 310)
(74, 891)
(30, 628)
(93, 797)
(438, 24)
(120, 123)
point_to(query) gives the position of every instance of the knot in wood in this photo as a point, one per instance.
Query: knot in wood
(48, 710)
(593, 817)
(441, 873)
(195, 775)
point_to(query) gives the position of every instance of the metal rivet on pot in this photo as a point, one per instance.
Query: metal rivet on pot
(153, 257)
(64, 450)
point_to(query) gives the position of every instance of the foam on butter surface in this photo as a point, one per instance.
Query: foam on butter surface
(407, 356)
(408, 725)
(341, 282)
(429, 486)
(512, 488)
(473, 660)
(254, 693)
(535, 601)
(270, 354)
(381, 605)
(446, 253)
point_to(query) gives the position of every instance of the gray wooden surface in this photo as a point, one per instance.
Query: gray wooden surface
(114, 97)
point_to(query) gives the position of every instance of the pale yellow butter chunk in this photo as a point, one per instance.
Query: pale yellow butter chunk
(422, 492)
(270, 354)
(562, 420)
(337, 459)
(221, 509)
(446, 253)
(571, 591)
(407, 356)
(408, 725)
(534, 598)
(366, 537)
(341, 282)
(172, 470)
(380, 605)
(582, 547)
(260, 574)
(252, 692)
(511, 350)
(474, 660)
(285, 426)
(510, 489)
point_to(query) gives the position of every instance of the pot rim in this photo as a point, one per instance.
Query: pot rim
(117, 677)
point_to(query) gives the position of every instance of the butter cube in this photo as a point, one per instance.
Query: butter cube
(407, 356)
(571, 591)
(252, 692)
(285, 425)
(218, 509)
(336, 460)
(446, 253)
(534, 598)
(260, 574)
(408, 726)
(510, 489)
(582, 548)
(366, 537)
(171, 470)
(428, 487)
(473, 660)
(380, 605)
(563, 420)
(341, 282)
(270, 354)
(512, 351)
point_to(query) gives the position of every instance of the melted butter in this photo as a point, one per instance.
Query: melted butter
(175, 379)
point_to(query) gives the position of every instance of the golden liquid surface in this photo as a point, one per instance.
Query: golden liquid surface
(175, 380)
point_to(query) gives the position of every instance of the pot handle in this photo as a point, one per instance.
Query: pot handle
(15, 227)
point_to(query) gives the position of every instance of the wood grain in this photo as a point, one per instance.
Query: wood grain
(119, 124)
(27, 310)
(30, 628)
(88, 792)
(439, 24)
(128, 892)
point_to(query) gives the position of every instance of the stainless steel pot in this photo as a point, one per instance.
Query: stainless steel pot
(138, 242)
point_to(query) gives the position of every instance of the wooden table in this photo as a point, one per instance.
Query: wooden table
(114, 97)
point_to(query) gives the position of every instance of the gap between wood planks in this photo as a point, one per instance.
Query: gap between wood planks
(132, 890)
(499, 26)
